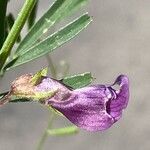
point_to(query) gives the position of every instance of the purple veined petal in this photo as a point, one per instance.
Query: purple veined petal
(86, 108)
(116, 105)
(96, 107)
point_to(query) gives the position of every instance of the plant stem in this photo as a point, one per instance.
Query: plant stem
(14, 33)
(3, 8)
(51, 66)
(45, 134)
(51, 119)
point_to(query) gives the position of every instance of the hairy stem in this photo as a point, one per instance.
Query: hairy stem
(14, 33)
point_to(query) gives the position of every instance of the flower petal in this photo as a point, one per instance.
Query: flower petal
(96, 107)
(117, 104)
(86, 108)
(49, 84)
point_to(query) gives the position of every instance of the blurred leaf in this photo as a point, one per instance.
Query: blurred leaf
(54, 41)
(63, 131)
(78, 81)
(58, 11)
(3, 9)
(9, 64)
(32, 17)
(10, 19)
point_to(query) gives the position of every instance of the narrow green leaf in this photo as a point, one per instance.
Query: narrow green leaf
(78, 81)
(54, 41)
(63, 131)
(57, 12)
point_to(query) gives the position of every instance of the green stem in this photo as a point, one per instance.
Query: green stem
(3, 8)
(14, 33)
(51, 119)
(51, 66)
(45, 134)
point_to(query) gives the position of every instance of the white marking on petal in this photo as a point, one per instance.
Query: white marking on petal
(117, 91)
(109, 96)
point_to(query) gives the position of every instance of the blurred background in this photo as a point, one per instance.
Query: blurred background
(117, 42)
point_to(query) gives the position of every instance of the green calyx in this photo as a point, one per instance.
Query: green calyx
(44, 95)
(38, 76)
(38, 96)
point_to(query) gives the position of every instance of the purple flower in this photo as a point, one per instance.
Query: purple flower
(93, 108)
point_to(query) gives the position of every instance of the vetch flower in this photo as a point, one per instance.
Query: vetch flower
(93, 108)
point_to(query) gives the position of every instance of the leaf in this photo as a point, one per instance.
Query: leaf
(57, 12)
(54, 41)
(9, 64)
(78, 81)
(63, 131)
